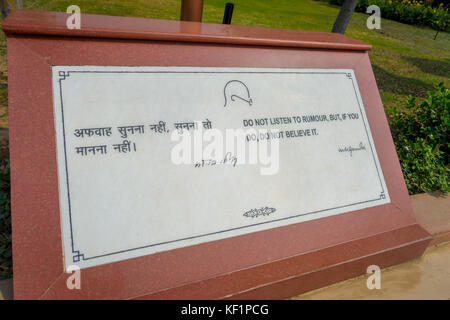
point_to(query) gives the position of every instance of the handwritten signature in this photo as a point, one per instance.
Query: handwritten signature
(351, 149)
(228, 159)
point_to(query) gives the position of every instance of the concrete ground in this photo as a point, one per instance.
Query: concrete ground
(433, 213)
(425, 278)
(6, 289)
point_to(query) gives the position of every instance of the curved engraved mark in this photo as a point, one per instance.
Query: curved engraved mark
(254, 213)
(236, 89)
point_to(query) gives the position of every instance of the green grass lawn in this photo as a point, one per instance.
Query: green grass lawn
(406, 60)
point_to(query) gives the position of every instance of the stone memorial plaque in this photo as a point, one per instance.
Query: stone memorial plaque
(184, 160)
(128, 188)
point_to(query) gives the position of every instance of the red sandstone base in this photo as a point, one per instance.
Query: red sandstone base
(308, 271)
(276, 263)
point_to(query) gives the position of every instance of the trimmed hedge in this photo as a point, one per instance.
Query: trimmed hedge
(409, 12)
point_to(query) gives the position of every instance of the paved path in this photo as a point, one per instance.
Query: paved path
(6, 289)
(425, 278)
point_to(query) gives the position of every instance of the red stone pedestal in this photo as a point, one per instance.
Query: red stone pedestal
(276, 263)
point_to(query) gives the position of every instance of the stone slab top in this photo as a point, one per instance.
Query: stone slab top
(31, 22)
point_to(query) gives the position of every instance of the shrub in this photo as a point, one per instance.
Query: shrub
(414, 12)
(421, 138)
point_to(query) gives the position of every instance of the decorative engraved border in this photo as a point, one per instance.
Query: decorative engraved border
(78, 256)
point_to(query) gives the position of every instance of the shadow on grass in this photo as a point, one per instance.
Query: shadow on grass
(393, 83)
(436, 67)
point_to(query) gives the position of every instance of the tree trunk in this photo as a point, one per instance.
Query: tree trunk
(343, 18)
(7, 5)
(3, 10)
